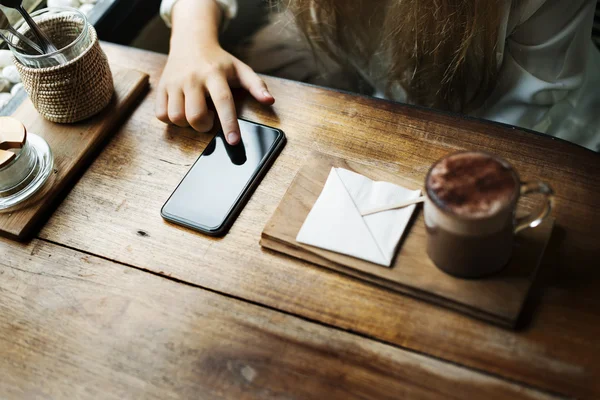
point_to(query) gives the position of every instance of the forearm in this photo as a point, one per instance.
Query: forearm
(195, 21)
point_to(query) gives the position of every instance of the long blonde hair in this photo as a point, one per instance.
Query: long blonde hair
(441, 52)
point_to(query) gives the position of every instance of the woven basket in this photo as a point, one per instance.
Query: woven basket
(75, 90)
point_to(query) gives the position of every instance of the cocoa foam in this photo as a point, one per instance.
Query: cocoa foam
(472, 184)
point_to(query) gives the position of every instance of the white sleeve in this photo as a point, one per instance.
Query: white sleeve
(229, 8)
(549, 80)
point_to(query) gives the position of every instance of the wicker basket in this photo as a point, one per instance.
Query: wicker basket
(75, 90)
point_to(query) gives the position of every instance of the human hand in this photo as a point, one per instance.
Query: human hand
(194, 72)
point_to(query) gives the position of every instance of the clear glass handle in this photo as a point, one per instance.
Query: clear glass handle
(536, 217)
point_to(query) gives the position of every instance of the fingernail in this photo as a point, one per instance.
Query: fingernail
(267, 94)
(233, 137)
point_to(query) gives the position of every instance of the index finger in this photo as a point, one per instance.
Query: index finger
(219, 91)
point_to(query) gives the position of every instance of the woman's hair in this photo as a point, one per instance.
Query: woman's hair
(441, 52)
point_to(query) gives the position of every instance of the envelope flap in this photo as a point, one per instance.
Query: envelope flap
(386, 227)
(334, 223)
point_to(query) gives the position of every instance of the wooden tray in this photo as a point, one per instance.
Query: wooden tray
(73, 146)
(497, 299)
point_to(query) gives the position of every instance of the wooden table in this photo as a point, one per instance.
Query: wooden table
(109, 301)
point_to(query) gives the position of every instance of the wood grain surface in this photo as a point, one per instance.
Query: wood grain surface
(73, 146)
(113, 211)
(497, 299)
(75, 326)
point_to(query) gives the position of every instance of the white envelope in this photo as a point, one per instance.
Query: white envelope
(335, 222)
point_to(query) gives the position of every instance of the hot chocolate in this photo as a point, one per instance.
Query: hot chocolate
(472, 185)
(469, 213)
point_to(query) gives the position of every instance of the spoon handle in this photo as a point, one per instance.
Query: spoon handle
(401, 204)
(47, 46)
(26, 40)
(13, 45)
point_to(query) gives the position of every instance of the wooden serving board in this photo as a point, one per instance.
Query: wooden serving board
(497, 299)
(73, 146)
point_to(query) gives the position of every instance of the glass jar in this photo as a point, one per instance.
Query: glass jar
(27, 174)
(18, 172)
(67, 29)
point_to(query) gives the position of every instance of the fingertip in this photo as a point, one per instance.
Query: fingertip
(233, 138)
(179, 119)
(202, 122)
(162, 116)
(265, 97)
(176, 109)
(160, 107)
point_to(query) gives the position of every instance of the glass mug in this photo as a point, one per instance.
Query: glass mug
(470, 203)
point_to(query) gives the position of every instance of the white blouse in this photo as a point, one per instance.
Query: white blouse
(549, 79)
(229, 8)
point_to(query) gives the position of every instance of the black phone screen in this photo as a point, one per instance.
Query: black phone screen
(220, 177)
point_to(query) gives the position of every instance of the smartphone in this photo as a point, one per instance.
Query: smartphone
(222, 179)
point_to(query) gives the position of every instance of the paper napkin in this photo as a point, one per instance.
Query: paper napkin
(335, 222)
